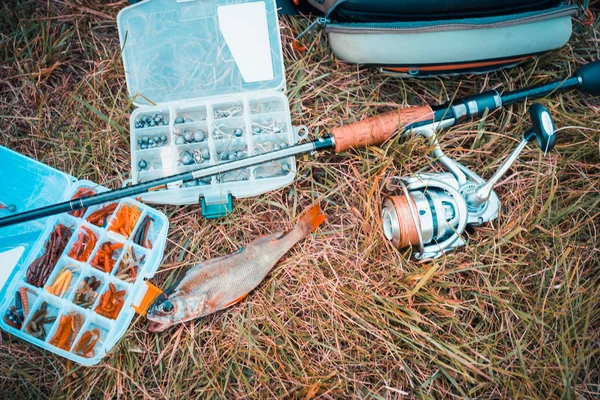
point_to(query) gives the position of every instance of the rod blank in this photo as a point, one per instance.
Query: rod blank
(166, 182)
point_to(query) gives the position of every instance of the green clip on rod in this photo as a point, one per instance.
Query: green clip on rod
(371, 131)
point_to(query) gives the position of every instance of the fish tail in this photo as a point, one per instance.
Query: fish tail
(310, 220)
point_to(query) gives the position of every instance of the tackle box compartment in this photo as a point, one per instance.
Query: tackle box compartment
(28, 184)
(208, 81)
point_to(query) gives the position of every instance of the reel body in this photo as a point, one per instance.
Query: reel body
(432, 210)
(432, 213)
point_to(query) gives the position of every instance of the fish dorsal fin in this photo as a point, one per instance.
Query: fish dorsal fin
(225, 257)
(267, 238)
(238, 251)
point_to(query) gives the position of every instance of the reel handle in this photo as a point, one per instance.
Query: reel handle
(376, 130)
(543, 130)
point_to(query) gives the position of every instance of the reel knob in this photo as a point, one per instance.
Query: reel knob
(543, 128)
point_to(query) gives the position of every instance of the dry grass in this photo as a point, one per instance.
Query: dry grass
(515, 314)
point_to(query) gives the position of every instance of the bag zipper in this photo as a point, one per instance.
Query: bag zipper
(464, 24)
(322, 22)
(350, 15)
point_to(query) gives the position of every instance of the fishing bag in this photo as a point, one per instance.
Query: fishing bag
(443, 37)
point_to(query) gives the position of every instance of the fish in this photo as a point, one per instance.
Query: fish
(219, 283)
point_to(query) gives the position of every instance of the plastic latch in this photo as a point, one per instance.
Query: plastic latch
(214, 211)
(300, 133)
(151, 294)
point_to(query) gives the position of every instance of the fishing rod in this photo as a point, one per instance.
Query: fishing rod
(423, 120)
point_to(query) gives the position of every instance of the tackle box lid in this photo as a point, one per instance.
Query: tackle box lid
(26, 184)
(178, 50)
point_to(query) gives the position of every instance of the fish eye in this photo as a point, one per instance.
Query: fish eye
(167, 307)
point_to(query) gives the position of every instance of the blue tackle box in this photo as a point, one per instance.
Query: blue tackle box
(28, 184)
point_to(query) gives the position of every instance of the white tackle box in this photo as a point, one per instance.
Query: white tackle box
(29, 184)
(207, 78)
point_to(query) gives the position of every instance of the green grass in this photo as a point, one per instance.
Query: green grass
(515, 314)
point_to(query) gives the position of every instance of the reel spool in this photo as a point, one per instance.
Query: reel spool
(433, 210)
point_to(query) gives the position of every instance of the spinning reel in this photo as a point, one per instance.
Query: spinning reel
(434, 209)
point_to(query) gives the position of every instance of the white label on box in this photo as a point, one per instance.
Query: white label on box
(246, 31)
(8, 261)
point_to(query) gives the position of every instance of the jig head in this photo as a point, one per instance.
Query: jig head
(10, 208)
(433, 209)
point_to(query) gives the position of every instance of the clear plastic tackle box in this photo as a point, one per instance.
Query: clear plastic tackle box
(28, 309)
(207, 78)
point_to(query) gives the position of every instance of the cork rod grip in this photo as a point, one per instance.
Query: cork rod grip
(376, 130)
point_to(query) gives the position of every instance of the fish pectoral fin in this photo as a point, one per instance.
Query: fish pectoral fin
(196, 304)
(242, 297)
(213, 302)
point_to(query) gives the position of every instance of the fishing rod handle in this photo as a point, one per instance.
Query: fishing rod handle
(376, 130)
(590, 77)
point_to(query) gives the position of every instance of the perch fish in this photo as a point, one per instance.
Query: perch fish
(222, 282)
